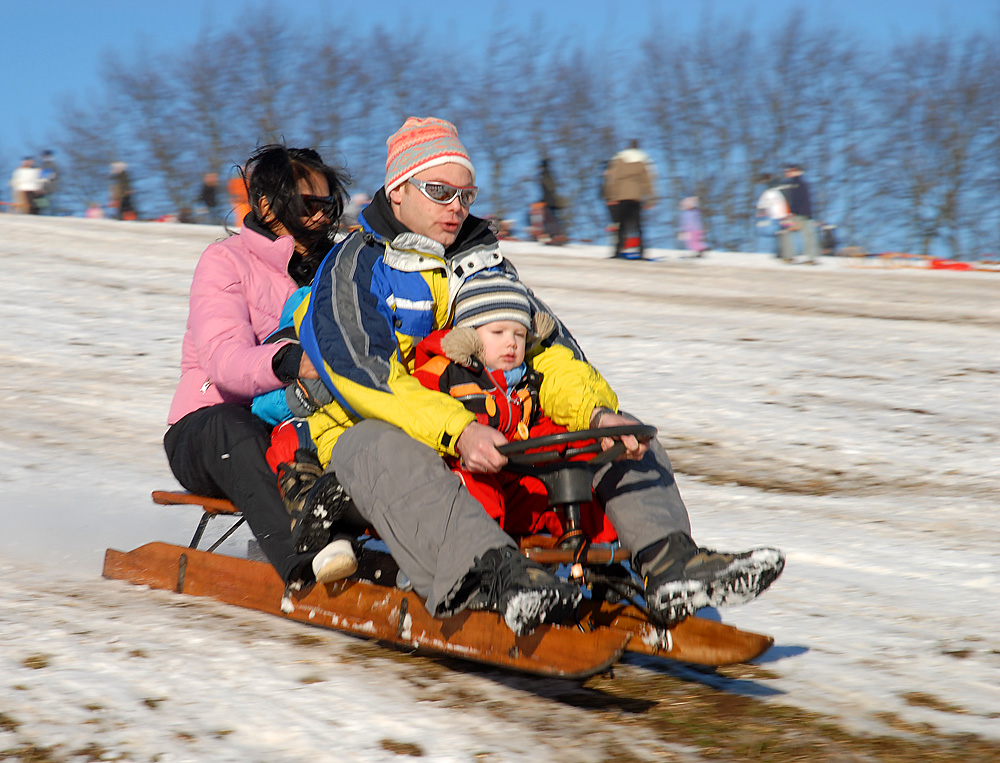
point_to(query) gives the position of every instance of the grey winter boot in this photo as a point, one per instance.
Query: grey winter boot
(680, 578)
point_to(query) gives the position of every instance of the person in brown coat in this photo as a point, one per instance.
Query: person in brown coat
(628, 189)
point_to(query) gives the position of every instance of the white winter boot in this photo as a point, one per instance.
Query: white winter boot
(335, 561)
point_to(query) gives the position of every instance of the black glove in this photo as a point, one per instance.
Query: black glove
(286, 362)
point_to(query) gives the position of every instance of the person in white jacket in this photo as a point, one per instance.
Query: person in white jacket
(773, 216)
(26, 186)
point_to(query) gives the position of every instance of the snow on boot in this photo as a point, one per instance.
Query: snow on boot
(522, 591)
(680, 578)
(324, 505)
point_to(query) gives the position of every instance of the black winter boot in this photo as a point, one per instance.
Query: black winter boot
(322, 509)
(680, 578)
(315, 500)
(295, 480)
(522, 591)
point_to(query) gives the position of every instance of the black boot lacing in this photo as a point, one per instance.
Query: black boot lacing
(495, 569)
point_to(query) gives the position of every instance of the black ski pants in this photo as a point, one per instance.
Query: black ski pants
(629, 219)
(219, 451)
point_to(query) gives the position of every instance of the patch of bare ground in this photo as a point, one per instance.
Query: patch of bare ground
(686, 714)
(34, 754)
(724, 726)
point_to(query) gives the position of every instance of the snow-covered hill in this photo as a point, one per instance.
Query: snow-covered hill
(847, 415)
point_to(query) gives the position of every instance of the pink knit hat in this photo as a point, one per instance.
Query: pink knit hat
(420, 144)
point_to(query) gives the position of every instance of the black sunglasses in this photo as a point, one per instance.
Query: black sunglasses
(328, 205)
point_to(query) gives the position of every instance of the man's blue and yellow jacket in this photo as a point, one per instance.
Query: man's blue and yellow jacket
(383, 289)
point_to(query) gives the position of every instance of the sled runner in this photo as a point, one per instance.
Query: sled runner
(369, 604)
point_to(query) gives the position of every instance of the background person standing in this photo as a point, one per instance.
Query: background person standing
(692, 230)
(208, 199)
(26, 186)
(121, 192)
(772, 216)
(553, 231)
(629, 184)
(800, 209)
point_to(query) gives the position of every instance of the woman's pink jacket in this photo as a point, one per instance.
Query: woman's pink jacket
(239, 288)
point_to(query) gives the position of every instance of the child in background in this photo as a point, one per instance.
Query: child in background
(481, 362)
(692, 233)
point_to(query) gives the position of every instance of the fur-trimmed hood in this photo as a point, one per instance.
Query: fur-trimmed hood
(463, 345)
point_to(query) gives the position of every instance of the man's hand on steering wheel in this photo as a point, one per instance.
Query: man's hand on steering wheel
(605, 417)
(477, 445)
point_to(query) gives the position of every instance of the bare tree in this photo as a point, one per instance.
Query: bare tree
(404, 80)
(939, 123)
(87, 145)
(902, 146)
(989, 196)
(684, 88)
(146, 99)
(492, 120)
(334, 78)
(580, 132)
(207, 73)
(267, 96)
(821, 114)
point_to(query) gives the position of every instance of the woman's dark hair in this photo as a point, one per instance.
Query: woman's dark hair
(274, 171)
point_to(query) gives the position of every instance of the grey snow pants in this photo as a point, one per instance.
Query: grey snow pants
(435, 529)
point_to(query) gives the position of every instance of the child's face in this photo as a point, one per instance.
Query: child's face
(503, 344)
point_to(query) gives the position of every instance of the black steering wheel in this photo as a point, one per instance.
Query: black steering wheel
(568, 482)
(518, 456)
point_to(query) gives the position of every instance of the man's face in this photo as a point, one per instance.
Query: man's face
(440, 222)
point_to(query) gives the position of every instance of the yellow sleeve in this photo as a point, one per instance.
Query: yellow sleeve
(571, 388)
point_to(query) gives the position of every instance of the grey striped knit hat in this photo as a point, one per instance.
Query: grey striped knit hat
(489, 297)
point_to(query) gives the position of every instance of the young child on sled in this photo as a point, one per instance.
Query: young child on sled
(481, 361)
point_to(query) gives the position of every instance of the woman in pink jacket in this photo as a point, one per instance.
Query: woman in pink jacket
(214, 444)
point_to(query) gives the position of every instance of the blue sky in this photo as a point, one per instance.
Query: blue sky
(54, 47)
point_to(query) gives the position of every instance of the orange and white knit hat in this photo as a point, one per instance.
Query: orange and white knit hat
(420, 144)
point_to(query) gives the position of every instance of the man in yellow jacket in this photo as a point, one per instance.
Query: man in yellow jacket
(377, 294)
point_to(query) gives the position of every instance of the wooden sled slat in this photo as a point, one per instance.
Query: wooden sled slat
(695, 640)
(543, 549)
(210, 505)
(377, 612)
(538, 547)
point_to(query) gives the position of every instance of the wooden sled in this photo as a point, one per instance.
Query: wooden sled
(368, 604)
(366, 609)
